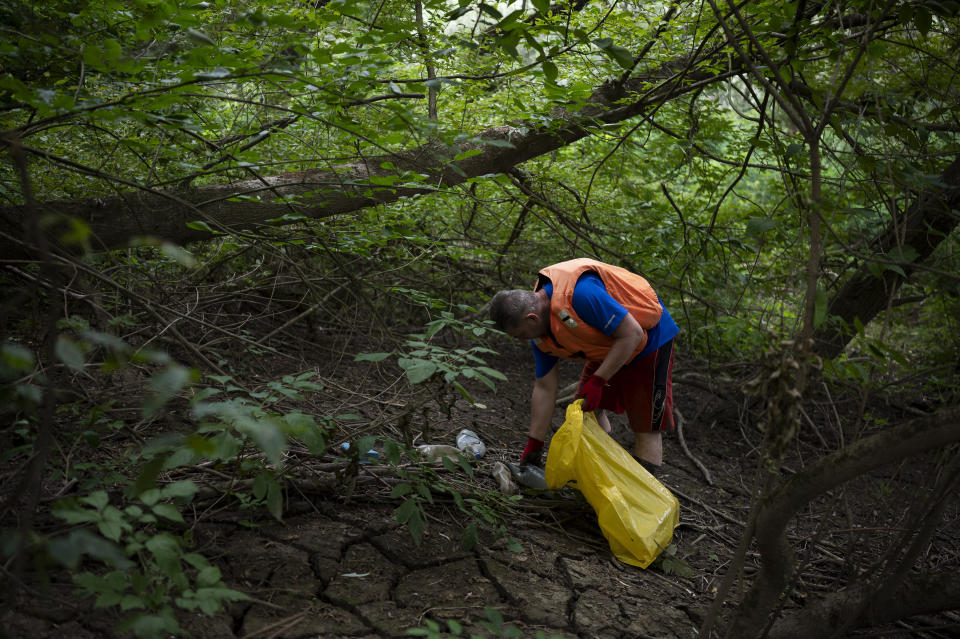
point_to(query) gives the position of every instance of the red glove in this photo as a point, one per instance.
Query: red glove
(591, 392)
(533, 451)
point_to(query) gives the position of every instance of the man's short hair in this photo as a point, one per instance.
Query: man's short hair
(508, 308)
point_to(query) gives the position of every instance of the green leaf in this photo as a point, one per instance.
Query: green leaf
(178, 254)
(98, 499)
(550, 71)
(492, 373)
(420, 632)
(165, 384)
(70, 353)
(400, 490)
(68, 550)
(514, 546)
(820, 308)
(418, 370)
(757, 226)
(470, 536)
(275, 500)
(448, 464)
(424, 489)
(200, 225)
(415, 525)
(268, 436)
(184, 489)
(260, 485)
(923, 19)
(147, 479)
(384, 180)
(371, 357)
(112, 530)
(363, 444)
(393, 451)
(904, 253)
(405, 511)
(490, 11)
(896, 268)
(17, 357)
(166, 550)
(150, 496)
(459, 11)
(495, 618)
(199, 37)
(152, 625)
(131, 602)
(168, 511)
(617, 53)
(876, 269)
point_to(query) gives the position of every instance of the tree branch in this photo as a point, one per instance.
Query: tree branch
(777, 564)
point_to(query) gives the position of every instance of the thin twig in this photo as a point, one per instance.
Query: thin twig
(683, 444)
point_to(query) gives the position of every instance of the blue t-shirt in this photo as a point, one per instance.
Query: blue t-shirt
(597, 308)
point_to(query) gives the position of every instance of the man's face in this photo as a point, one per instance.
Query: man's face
(529, 328)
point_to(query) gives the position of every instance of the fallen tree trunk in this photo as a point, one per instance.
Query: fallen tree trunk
(917, 595)
(319, 193)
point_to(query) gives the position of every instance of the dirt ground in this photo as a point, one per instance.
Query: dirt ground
(343, 567)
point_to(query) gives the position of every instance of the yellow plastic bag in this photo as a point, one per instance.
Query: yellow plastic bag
(637, 514)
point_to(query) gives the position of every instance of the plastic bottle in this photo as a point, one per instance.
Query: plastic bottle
(468, 442)
(528, 475)
(366, 457)
(438, 451)
(502, 474)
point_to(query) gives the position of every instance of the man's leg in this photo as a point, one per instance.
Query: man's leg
(648, 447)
(651, 405)
(603, 419)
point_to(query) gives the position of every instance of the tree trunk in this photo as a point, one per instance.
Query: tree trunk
(917, 595)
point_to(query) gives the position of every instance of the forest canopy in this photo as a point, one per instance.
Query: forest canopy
(186, 185)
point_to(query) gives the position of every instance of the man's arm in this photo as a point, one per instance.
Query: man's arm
(625, 340)
(542, 402)
(600, 310)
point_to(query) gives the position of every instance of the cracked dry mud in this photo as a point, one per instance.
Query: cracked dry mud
(359, 575)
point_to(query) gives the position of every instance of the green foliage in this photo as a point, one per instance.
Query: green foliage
(134, 526)
(153, 570)
(421, 482)
(423, 361)
(670, 564)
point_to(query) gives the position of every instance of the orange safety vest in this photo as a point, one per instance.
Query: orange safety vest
(575, 339)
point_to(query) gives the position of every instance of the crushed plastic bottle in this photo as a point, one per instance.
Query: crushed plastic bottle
(502, 474)
(468, 442)
(528, 475)
(439, 451)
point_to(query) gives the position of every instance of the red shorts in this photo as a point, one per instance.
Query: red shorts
(631, 391)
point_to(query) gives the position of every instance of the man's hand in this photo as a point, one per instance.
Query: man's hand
(591, 392)
(532, 452)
